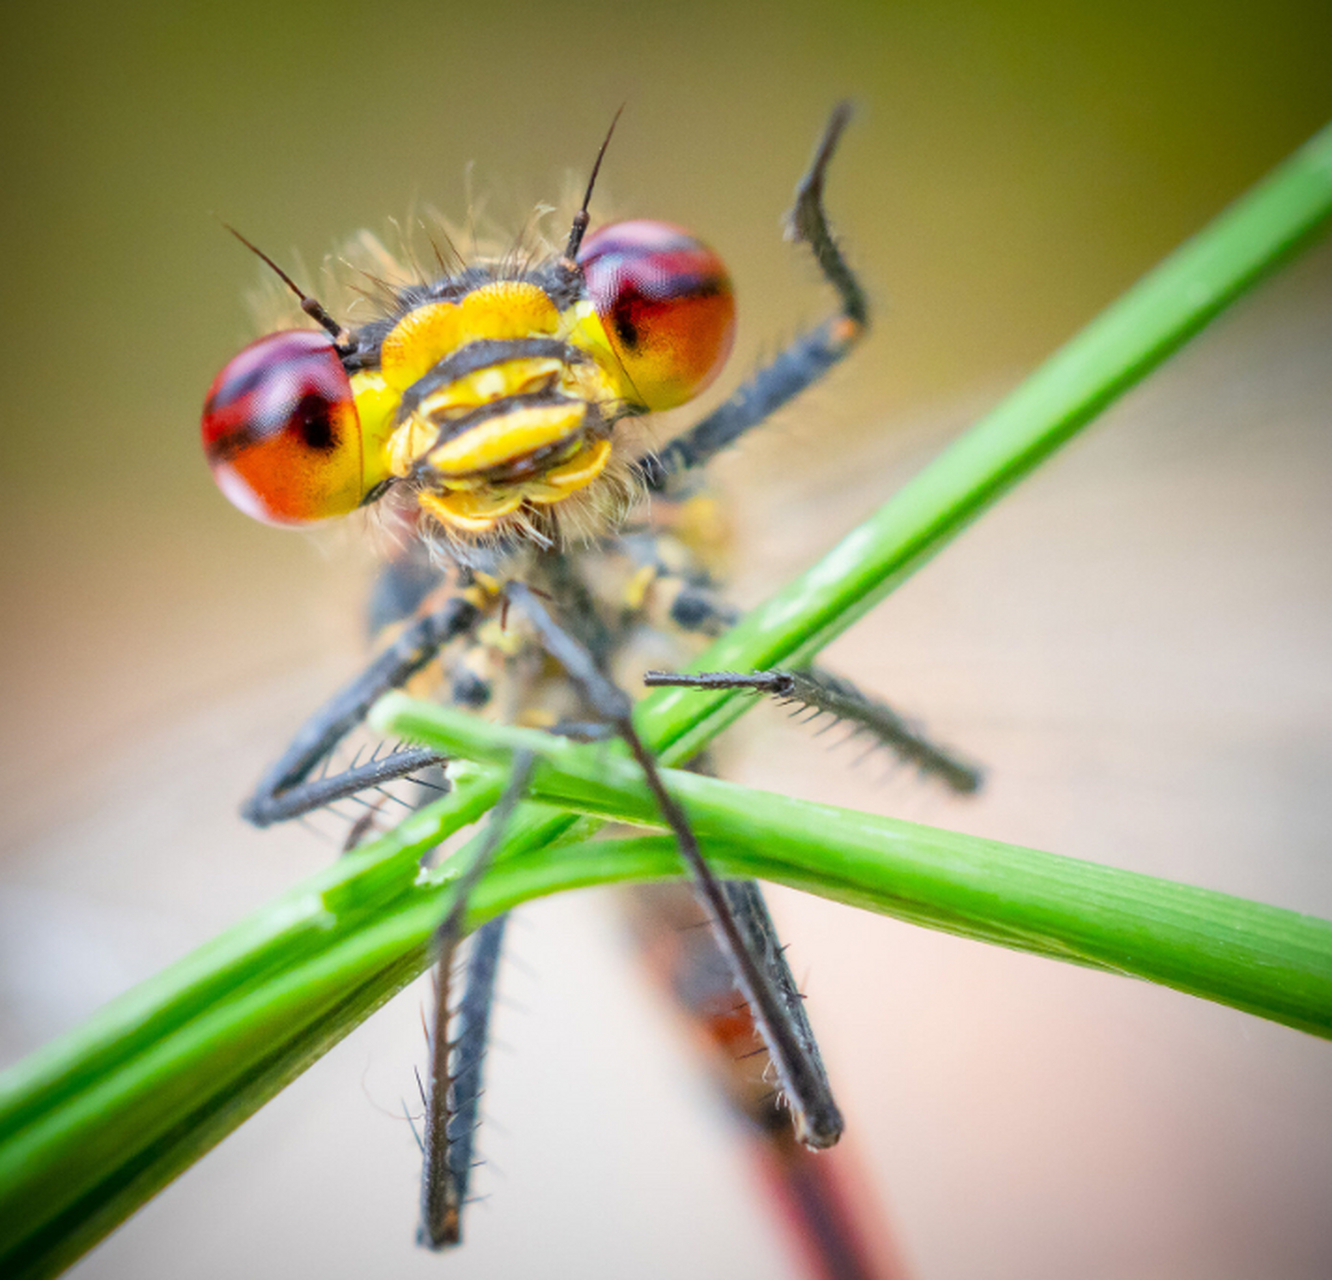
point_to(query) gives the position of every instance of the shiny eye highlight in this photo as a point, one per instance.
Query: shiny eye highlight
(666, 304)
(281, 431)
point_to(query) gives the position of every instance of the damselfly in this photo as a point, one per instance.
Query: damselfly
(541, 550)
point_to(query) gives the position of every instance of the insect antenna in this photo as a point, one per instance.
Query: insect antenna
(311, 306)
(569, 263)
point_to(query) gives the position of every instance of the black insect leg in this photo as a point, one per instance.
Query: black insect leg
(287, 791)
(454, 1094)
(777, 1011)
(807, 359)
(841, 1237)
(825, 693)
(695, 608)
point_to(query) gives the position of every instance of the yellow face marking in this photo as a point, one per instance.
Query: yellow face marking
(408, 443)
(586, 332)
(459, 491)
(579, 472)
(376, 403)
(590, 382)
(470, 512)
(414, 438)
(512, 378)
(419, 341)
(504, 309)
(507, 438)
(509, 309)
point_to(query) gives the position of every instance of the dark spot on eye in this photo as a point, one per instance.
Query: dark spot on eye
(625, 328)
(312, 420)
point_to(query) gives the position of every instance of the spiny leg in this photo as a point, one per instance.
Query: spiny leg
(454, 1093)
(843, 1236)
(775, 1004)
(287, 791)
(807, 359)
(694, 607)
(836, 696)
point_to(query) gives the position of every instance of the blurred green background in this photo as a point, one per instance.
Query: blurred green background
(1011, 169)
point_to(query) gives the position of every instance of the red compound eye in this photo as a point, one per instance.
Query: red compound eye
(666, 304)
(281, 432)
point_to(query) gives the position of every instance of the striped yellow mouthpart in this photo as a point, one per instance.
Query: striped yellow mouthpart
(507, 438)
(478, 511)
(473, 476)
(508, 378)
(579, 472)
(470, 512)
